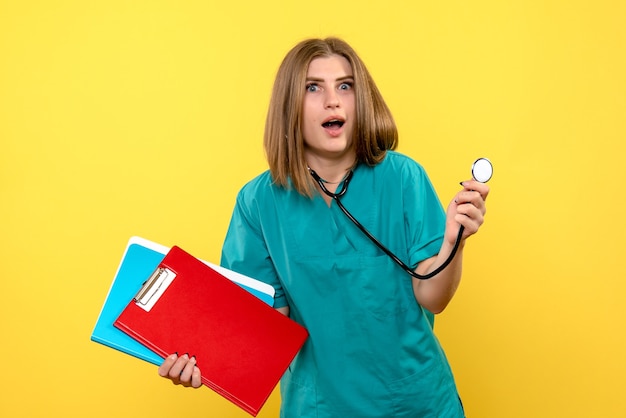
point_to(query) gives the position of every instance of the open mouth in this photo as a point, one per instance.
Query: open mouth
(333, 123)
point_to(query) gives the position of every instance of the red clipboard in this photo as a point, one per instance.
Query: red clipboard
(242, 345)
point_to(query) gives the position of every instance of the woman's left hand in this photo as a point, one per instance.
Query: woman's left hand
(467, 209)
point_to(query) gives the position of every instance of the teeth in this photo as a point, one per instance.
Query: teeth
(333, 122)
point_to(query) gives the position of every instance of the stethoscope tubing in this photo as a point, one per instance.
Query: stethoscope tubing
(344, 188)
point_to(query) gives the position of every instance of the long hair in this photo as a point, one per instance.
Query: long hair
(375, 131)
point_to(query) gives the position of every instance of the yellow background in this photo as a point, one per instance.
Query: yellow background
(122, 118)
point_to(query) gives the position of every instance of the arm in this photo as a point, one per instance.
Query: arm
(467, 209)
(244, 251)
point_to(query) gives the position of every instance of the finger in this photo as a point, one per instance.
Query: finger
(186, 373)
(177, 368)
(196, 377)
(470, 217)
(476, 200)
(473, 198)
(469, 214)
(473, 185)
(470, 227)
(167, 364)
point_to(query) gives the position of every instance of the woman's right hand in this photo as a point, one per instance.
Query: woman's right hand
(181, 370)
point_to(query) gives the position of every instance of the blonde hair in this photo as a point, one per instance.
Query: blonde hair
(375, 131)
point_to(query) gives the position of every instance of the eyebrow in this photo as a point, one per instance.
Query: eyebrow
(344, 78)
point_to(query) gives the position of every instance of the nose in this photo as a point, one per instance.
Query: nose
(331, 99)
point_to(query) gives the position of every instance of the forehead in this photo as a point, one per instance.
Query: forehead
(329, 66)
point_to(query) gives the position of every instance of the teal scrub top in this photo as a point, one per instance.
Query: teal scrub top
(371, 350)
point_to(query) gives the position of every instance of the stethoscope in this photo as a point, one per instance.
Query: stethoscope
(482, 170)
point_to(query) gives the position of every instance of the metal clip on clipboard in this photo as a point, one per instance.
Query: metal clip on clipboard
(153, 288)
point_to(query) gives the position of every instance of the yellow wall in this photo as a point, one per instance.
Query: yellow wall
(122, 118)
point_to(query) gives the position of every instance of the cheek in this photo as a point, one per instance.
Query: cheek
(352, 102)
(350, 107)
(351, 111)
(308, 112)
(307, 121)
(307, 129)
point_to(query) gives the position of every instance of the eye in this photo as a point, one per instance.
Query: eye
(312, 87)
(347, 85)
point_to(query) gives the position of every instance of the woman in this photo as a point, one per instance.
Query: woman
(371, 350)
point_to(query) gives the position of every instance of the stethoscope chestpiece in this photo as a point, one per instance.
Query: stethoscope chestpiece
(482, 170)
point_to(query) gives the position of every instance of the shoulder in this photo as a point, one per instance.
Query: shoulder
(262, 193)
(403, 174)
(398, 164)
(262, 183)
(254, 191)
(401, 160)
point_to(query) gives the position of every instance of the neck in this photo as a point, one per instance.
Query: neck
(331, 173)
(329, 190)
(323, 180)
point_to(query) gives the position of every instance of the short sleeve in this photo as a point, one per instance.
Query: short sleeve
(424, 215)
(245, 250)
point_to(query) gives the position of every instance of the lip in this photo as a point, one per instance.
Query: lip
(334, 117)
(334, 130)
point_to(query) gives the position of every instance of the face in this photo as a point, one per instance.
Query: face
(329, 110)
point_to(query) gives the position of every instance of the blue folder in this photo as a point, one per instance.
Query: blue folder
(140, 259)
